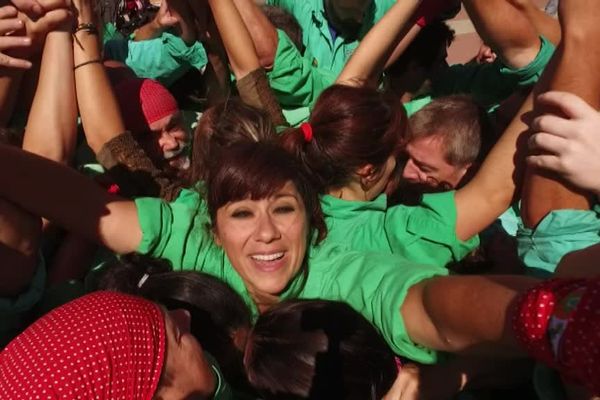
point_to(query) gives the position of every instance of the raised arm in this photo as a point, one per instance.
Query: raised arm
(544, 192)
(98, 107)
(369, 59)
(506, 30)
(235, 36)
(544, 24)
(52, 123)
(263, 33)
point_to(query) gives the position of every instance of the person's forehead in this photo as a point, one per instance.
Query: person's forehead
(427, 146)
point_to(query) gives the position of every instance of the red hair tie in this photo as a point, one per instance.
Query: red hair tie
(307, 131)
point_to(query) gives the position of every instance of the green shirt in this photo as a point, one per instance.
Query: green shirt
(374, 284)
(321, 49)
(489, 84)
(165, 59)
(295, 81)
(423, 234)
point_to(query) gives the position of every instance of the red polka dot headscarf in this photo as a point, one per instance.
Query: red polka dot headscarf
(105, 345)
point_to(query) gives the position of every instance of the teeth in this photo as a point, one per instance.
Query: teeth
(267, 257)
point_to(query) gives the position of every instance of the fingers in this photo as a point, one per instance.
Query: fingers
(553, 124)
(30, 7)
(9, 42)
(11, 62)
(548, 143)
(571, 105)
(8, 25)
(52, 20)
(8, 12)
(546, 161)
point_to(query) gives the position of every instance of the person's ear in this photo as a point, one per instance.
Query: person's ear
(367, 175)
(216, 238)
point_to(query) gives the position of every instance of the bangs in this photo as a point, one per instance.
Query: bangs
(250, 171)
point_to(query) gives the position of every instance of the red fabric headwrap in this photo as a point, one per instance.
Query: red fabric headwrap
(142, 102)
(105, 345)
(558, 322)
(307, 131)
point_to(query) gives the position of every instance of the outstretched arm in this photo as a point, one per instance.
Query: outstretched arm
(544, 24)
(369, 59)
(71, 200)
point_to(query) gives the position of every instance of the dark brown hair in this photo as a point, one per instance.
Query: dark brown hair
(256, 170)
(315, 349)
(285, 21)
(352, 127)
(223, 125)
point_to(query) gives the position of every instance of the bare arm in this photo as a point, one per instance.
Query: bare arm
(493, 188)
(506, 30)
(100, 114)
(52, 124)
(465, 314)
(69, 199)
(368, 61)
(544, 192)
(263, 33)
(235, 36)
(544, 24)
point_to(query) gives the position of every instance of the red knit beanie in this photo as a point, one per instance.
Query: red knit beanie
(142, 102)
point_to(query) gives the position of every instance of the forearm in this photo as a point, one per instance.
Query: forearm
(98, 107)
(403, 44)
(71, 200)
(262, 32)
(544, 192)
(467, 314)
(151, 30)
(517, 46)
(498, 181)
(368, 60)
(51, 128)
(235, 37)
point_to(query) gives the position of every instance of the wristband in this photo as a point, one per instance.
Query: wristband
(89, 27)
(96, 61)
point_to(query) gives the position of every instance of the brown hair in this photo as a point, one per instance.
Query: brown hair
(255, 170)
(222, 126)
(460, 123)
(352, 127)
(316, 349)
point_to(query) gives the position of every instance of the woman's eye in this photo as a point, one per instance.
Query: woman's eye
(241, 214)
(285, 209)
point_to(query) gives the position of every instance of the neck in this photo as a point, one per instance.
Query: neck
(351, 192)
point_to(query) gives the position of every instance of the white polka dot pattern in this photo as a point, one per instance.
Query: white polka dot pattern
(105, 345)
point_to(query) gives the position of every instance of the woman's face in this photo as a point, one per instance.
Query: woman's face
(186, 373)
(265, 240)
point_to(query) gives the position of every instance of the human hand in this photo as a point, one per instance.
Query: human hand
(485, 55)
(167, 15)
(426, 382)
(406, 385)
(568, 145)
(9, 23)
(36, 30)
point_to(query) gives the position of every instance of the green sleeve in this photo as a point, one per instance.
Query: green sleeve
(427, 233)
(375, 285)
(489, 84)
(178, 232)
(293, 78)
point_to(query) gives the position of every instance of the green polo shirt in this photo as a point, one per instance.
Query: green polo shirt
(374, 284)
(321, 49)
(425, 233)
(295, 81)
(489, 84)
